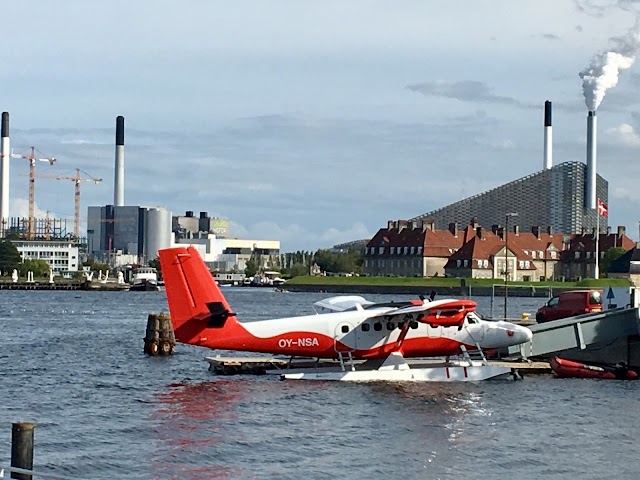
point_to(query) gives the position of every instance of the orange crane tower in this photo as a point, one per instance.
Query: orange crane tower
(32, 175)
(77, 179)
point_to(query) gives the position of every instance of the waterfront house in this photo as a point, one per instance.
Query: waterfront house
(410, 249)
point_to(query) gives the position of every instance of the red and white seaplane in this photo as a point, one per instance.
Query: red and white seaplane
(379, 336)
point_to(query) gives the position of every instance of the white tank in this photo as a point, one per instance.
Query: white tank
(157, 232)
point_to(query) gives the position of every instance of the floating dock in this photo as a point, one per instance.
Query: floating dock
(275, 365)
(42, 286)
(112, 287)
(260, 365)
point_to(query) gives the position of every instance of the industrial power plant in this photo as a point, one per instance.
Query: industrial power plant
(561, 197)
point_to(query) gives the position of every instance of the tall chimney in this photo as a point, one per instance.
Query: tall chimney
(118, 187)
(548, 137)
(4, 175)
(592, 146)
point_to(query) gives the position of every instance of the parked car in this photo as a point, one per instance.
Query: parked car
(569, 304)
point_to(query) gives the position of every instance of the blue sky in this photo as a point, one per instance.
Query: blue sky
(311, 122)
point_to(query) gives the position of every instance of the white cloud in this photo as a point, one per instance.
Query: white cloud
(294, 119)
(625, 134)
(19, 207)
(295, 237)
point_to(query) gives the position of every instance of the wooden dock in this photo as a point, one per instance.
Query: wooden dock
(261, 365)
(62, 285)
(41, 286)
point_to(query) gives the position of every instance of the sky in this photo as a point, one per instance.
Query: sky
(313, 122)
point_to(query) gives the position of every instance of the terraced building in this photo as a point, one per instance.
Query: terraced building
(552, 198)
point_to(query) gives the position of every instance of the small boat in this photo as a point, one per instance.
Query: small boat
(570, 369)
(145, 279)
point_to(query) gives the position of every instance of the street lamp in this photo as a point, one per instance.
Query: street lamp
(506, 257)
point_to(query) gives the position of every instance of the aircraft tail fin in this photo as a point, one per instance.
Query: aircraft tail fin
(195, 300)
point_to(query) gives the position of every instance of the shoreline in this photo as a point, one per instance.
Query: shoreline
(466, 291)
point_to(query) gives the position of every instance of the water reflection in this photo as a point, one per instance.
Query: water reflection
(190, 421)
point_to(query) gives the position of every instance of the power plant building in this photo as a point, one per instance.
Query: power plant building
(189, 226)
(134, 231)
(554, 197)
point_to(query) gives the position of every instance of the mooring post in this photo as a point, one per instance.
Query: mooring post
(22, 448)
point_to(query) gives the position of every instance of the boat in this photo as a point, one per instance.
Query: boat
(144, 279)
(564, 368)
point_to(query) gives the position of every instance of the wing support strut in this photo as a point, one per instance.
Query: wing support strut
(403, 333)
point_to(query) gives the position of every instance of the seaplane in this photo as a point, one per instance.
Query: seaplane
(366, 341)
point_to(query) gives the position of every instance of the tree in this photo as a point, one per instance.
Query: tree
(155, 263)
(251, 267)
(298, 270)
(9, 257)
(609, 257)
(349, 262)
(94, 266)
(40, 268)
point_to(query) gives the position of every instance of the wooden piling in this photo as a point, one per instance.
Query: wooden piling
(22, 448)
(159, 338)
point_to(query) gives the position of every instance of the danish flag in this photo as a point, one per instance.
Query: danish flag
(602, 208)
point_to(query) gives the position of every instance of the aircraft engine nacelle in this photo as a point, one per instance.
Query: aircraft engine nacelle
(449, 315)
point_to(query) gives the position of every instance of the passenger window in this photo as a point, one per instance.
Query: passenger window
(391, 326)
(365, 327)
(377, 326)
(414, 325)
(345, 328)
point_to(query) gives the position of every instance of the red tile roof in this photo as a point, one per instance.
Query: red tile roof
(484, 248)
(434, 243)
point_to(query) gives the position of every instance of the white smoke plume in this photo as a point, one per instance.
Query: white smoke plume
(602, 73)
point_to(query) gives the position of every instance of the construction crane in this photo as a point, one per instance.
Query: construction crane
(77, 179)
(32, 180)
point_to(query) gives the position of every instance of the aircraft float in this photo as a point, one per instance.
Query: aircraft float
(379, 336)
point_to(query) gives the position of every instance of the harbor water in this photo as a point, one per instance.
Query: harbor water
(72, 363)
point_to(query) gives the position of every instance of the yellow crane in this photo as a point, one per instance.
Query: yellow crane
(77, 179)
(32, 175)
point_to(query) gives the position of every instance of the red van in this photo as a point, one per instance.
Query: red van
(570, 304)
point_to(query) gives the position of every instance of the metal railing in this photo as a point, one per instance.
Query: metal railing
(15, 472)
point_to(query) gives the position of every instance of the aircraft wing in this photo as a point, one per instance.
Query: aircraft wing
(439, 313)
(341, 303)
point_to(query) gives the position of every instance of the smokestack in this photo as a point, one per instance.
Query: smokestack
(548, 137)
(118, 188)
(592, 146)
(5, 152)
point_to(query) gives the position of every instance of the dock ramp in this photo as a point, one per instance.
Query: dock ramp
(579, 332)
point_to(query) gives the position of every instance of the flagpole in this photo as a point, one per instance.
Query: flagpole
(597, 271)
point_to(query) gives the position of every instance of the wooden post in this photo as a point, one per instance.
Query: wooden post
(22, 448)
(167, 338)
(159, 339)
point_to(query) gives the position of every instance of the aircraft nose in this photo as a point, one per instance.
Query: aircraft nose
(524, 334)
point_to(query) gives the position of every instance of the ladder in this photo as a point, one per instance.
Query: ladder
(343, 361)
(467, 357)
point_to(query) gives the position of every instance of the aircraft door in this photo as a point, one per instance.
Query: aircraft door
(475, 328)
(344, 337)
(434, 332)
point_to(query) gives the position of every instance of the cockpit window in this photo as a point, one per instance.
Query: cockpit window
(472, 318)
